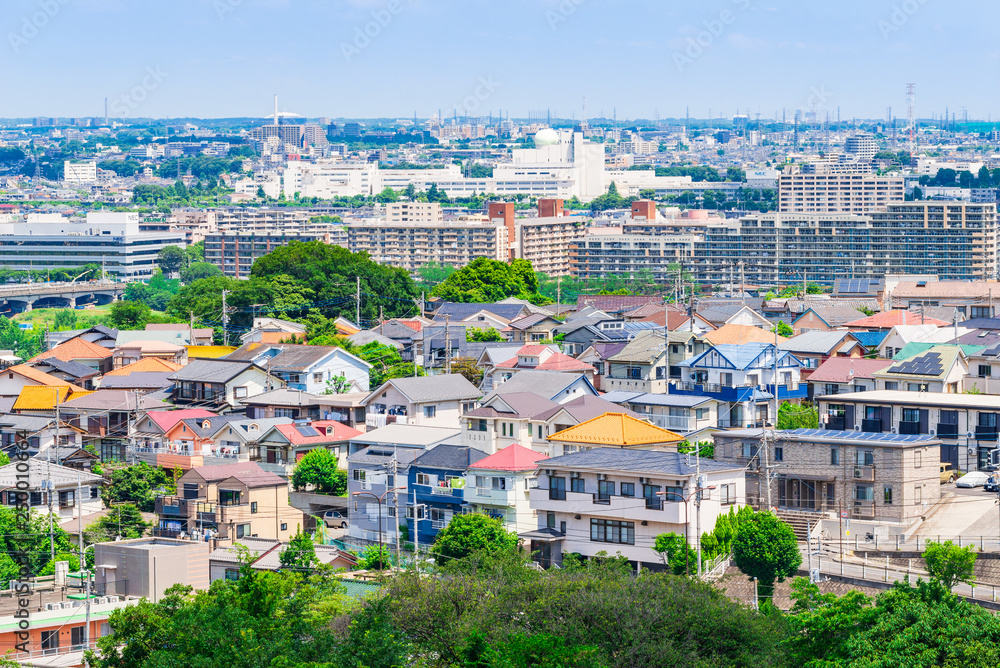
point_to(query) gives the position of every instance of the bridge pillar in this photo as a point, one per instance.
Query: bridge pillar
(28, 301)
(72, 302)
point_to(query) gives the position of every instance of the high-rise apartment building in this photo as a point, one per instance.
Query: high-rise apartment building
(412, 245)
(420, 213)
(601, 256)
(837, 193)
(81, 171)
(235, 252)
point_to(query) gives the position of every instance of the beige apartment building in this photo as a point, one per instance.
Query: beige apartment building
(421, 213)
(837, 193)
(601, 256)
(546, 242)
(412, 245)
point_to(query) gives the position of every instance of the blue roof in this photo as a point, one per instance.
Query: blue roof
(740, 356)
(870, 339)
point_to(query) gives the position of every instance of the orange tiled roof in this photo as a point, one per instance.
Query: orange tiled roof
(40, 377)
(616, 429)
(738, 334)
(279, 337)
(146, 364)
(41, 398)
(75, 349)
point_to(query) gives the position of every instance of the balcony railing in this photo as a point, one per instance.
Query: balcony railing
(862, 473)
(985, 433)
(947, 430)
(864, 509)
(836, 423)
(602, 499)
(910, 428)
(871, 426)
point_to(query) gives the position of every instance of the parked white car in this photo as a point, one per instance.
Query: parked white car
(973, 479)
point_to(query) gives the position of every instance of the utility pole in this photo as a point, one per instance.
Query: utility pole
(447, 343)
(558, 294)
(225, 319)
(357, 309)
(697, 504)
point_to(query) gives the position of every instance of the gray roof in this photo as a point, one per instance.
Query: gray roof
(460, 312)
(268, 552)
(395, 330)
(70, 368)
(548, 384)
(649, 399)
(499, 352)
(214, 424)
(213, 371)
(836, 315)
(640, 461)
(524, 405)
(530, 321)
(453, 457)
(407, 435)
(178, 337)
(445, 387)
(25, 422)
(289, 357)
(114, 400)
(218, 472)
(140, 380)
(369, 336)
(646, 348)
(289, 397)
(815, 342)
(377, 454)
(39, 470)
(586, 408)
(242, 426)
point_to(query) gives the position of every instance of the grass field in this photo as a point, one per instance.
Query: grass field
(45, 317)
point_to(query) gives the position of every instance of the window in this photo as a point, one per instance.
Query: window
(779, 453)
(605, 489)
(985, 371)
(76, 636)
(503, 428)
(651, 494)
(674, 494)
(284, 526)
(727, 494)
(891, 385)
(750, 450)
(317, 377)
(240, 392)
(50, 639)
(916, 387)
(229, 497)
(359, 474)
(430, 411)
(423, 479)
(95, 492)
(628, 489)
(562, 528)
(834, 456)
(612, 531)
(701, 413)
(911, 415)
(67, 499)
(550, 520)
(539, 432)
(887, 495)
(232, 574)
(864, 457)
(864, 493)
(557, 488)
(577, 485)
(242, 530)
(499, 483)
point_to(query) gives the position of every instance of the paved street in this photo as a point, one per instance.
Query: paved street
(969, 513)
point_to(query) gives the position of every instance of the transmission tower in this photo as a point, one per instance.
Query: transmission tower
(911, 115)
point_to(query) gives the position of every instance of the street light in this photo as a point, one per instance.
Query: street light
(380, 499)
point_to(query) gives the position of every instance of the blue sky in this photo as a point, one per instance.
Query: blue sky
(223, 58)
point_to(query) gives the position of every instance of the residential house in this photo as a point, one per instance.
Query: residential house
(558, 387)
(242, 439)
(613, 501)
(839, 375)
(494, 354)
(940, 368)
(378, 491)
(227, 502)
(105, 417)
(722, 314)
(867, 476)
(534, 328)
(78, 350)
(436, 481)
(537, 357)
(288, 443)
(99, 334)
(41, 433)
(428, 400)
(225, 563)
(141, 381)
(15, 378)
(195, 436)
(499, 484)
(481, 315)
(71, 372)
(310, 369)
(693, 417)
(397, 436)
(132, 352)
(734, 334)
(648, 362)
(596, 356)
(888, 319)
(618, 430)
(66, 504)
(744, 377)
(42, 401)
(902, 335)
(984, 371)
(965, 424)
(298, 405)
(614, 304)
(199, 336)
(815, 347)
(273, 330)
(577, 337)
(221, 384)
(679, 321)
(152, 427)
(824, 318)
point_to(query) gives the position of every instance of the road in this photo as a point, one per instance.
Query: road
(968, 512)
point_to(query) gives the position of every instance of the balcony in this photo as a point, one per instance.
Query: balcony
(790, 391)
(871, 426)
(909, 428)
(627, 508)
(864, 509)
(837, 423)
(862, 473)
(986, 433)
(947, 430)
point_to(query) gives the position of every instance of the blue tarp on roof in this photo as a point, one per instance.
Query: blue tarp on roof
(870, 339)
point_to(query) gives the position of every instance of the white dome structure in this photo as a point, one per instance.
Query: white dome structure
(546, 137)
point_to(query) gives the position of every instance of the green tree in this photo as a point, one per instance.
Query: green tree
(170, 259)
(65, 319)
(784, 329)
(128, 315)
(472, 533)
(137, 484)
(950, 564)
(766, 548)
(260, 193)
(386, 196)
(486, 280)
(199, 270)
(468, 367)
(433, 273)
(676, 553)
(318, 470)
(300, 553)
(375, 558)
(123, 519)
(792, 416)
(337, 385)
(480, 335)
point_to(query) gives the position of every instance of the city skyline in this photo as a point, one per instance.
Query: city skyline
(709, 60)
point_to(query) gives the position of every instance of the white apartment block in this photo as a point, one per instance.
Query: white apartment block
(80, 172)
(412, 245)
(837, 193)
(416, 213)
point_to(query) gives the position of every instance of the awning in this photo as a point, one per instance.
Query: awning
(543, 535)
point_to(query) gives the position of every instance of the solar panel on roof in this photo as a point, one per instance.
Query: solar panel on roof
(307, 431)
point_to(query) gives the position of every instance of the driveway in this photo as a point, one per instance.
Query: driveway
(966, 512)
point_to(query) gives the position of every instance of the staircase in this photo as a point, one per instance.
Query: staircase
(800, 521)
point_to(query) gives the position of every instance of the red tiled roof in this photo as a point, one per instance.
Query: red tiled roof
(557, 362)
(415, 325)
(838, 369)
(889, 319)
(75, 349)
(512, 458)
(341, 432)
(532, 349)
(166, 420)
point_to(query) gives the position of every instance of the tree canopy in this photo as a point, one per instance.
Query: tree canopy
(472, 533)
(318, 471)
(486, 280)
(766, 548)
